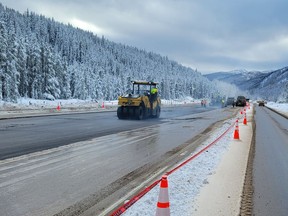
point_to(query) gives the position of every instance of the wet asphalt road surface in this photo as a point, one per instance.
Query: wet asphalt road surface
(270, 164)
(26, 135)
(77, 176)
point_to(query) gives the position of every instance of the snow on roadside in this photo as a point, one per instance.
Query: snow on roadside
(32, 107)
(29, 107)
(32, 104)
(38, 104)
(280, 107)
(186, 182)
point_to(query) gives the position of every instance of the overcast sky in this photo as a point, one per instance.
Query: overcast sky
(210, 35)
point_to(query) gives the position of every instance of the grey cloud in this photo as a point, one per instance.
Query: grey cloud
(193, 32)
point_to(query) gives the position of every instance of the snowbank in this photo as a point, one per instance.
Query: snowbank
(34, 104)
(27, 106)
(280, 107)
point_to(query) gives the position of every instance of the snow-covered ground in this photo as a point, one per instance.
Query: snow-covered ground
(25, 106)
(34, 104)
(280, 107)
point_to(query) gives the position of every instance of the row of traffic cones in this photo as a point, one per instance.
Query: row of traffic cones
(236, 131)
(163, 205)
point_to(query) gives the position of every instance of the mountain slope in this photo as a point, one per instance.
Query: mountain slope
(273, 86)
(269, 86)
(39, 57)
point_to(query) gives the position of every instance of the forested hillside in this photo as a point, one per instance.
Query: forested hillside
(39, 56)
(272, 86)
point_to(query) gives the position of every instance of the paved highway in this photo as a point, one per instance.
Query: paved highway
(111, 157)
(270, 164)
(26, 135)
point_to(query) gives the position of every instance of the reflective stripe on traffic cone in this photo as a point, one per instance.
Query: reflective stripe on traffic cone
(236, 131)
(245, 120)
(163, 205)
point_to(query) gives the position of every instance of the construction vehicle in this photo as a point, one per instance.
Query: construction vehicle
(141, 102)
(241, 101)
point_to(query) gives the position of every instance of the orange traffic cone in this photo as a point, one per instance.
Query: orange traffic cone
(236, 131)
(163, 205)
(245, 120)
(58, 107)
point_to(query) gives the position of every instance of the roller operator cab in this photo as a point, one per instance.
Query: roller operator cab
(143, 101)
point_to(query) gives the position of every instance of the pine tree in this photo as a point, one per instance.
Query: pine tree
(12, 76)
(22, 68)
(40, 56)
(3, 60)
(50, 80)
(34, 67)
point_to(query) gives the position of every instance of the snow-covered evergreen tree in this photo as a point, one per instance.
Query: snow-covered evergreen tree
(39, 56)
(3, 59)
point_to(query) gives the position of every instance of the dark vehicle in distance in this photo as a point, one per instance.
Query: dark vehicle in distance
(241, 101)
(261, 103)
(230, 102)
